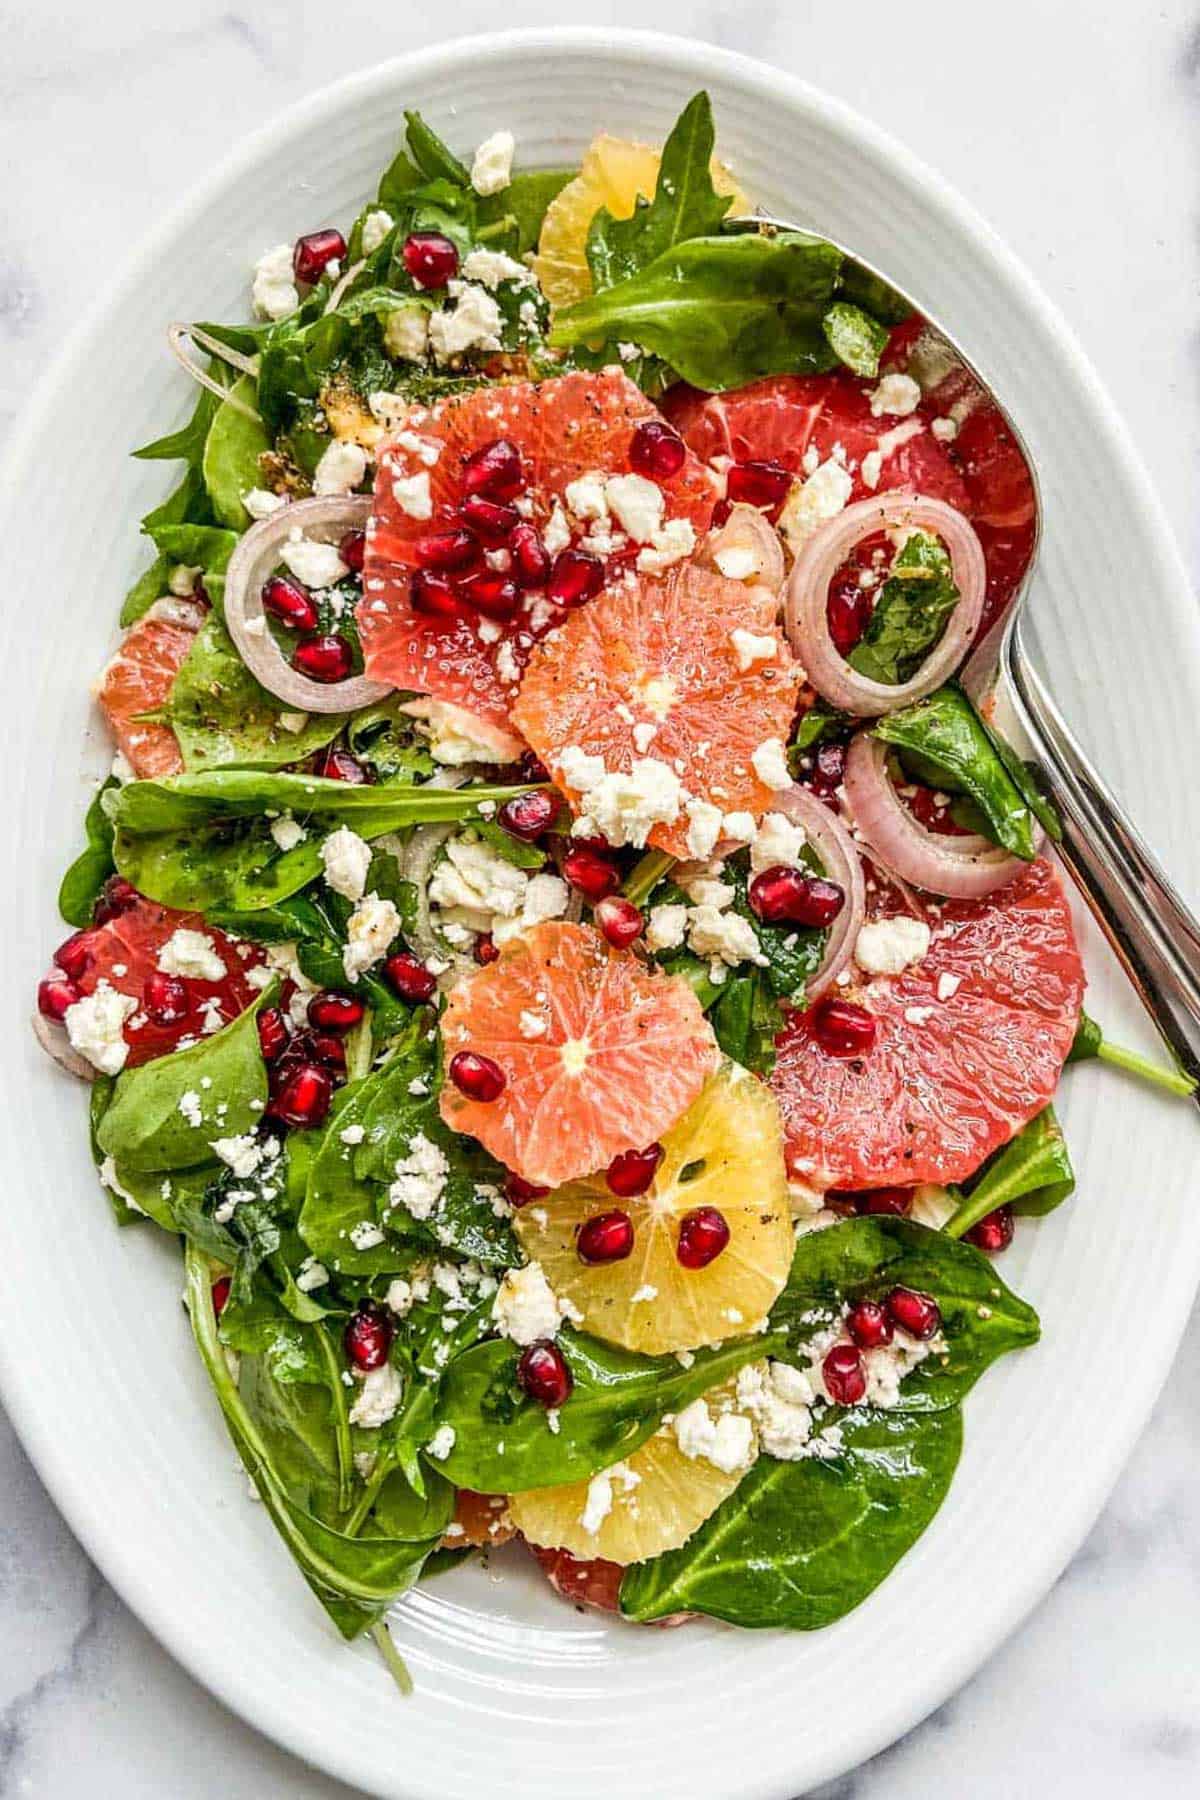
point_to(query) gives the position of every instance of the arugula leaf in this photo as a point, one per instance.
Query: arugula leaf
(801, 1544)
(685, 203)
(81, 885)
(149, 1125)
(856, 339)
(721, 310)
(910, 613)
(1032, 1174)
(221, 715)
(512, 219)
(943, 742)
(186, 444)
(230, 463)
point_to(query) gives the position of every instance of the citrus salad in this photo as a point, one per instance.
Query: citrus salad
(558, 945)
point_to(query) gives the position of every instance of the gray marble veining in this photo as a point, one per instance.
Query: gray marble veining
(1075, 129)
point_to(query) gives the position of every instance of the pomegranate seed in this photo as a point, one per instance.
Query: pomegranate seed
(780, 895)
(339, 765)
(313, 251)
(829, 769)
(519, 1192)
(495, 470)
(843, 1029)
(574, 578)
(220, 1293)
(353, 550)
(844, 1376)
(703, 1234)
(632, 1172)
(720, 513)
(491, 520)
(326, 659)
(848, 612)
(115, 897)
(485, 949)
(335, 1012)
(993, 1233)
(409, 978)
(272, 1034)
(530, 769)
(758, 483)
(452, 549)
(656, 450)
(368, 1337)
(542, 1371)
(165, 998)
(531, 559)
(605, 1238)
(528, 815)
(590, 873)
(619, 920)
(869, 1325)
(932, 810)
(476, 1076)
(918, 1314)
(303, 1099)
(433, 596)
(888, 1201)
(430, 258)
(54, 995)
(326, 1048)
(290, 603)
(492, 594)
(74, 956)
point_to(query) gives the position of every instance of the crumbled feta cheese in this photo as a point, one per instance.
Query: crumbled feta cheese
(872, 468)
(191, 953)
(475, 323)
(737, 562)
(373, 925)
(777, 844)
(624, 808)
(293, 722)
(183, 578)
(586, 498)
(378, 1398)
(948, 986)
(375, 228)
(889, 946)
(406, 336)
(287, 832)
(579, 770)
(95, 1027)
(531, 1024)
(311, 1275)
(491, 170)
(451, 742)
(752, 647)
(945, 430)
(647, 1291)
(557, 533)
(704, 827)
(441, 1443)
(274, 291)
(400, 1297)
(671, 544)
(599, 1502)
(341, 468)
(190, 1109)
(347, 858)
(637, 505)
(726, 1441)
(526, 1307)
(546, 897)
(365, 1235)
(241, 1154)
(769, 762)
(665, 927)
(725, 936)
(317, 565)
(739, 826)
(491, 267)
(474, 877)
(809, 503)
(420, 1178)
(412, 494)
(779, 1400)
(897, 394)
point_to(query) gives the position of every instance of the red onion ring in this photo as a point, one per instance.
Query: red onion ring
(961, 868)
(257, 554)
(55, 1042)
(839, 856)
(746, 530)
(177, 336)
(808, 596)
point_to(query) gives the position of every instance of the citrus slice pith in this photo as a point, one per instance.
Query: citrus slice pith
(656, 1499)
(564, 428)
(600, 1054)
(725, 1152)
(652, 669)
(137, 679)
(614, 174)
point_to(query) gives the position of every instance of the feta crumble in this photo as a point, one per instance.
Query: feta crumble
(726, 1441)
(420, 1178)
(897, 394)
(375, 228)
(95, 1027)
(441, 1443)
(347, 858)
(475, 323)
(491, 171)
(287, 832)
(526, 1308)
(769, 762)
(191, 953)
(316, 564)
(274, 290)
(373, 925)
(378, 1398)
(809, 503)
(341, 468)
(412, 494)
(889, 946)
(752, 647)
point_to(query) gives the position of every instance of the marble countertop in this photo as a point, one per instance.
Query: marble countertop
(1075, 130)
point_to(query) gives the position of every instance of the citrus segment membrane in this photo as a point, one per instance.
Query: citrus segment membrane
(725, 1152)
(599, 1053)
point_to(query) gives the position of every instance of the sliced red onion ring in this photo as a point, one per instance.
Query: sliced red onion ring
(746, 548)
(819, 562)
(177, 336)
(962, 868)
(256, 556)
(55, 1042)
(339, 288)
(839, 857)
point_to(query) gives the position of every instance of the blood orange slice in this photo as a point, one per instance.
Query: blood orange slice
(125, 951)
(564, 428)
(590, 1581)
(600, 1054)
(654, 669)
(970, 1045)
(137, 680)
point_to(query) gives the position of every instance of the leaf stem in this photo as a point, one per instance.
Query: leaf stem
(646, 874)
(1173, 1081)
(395, 1664)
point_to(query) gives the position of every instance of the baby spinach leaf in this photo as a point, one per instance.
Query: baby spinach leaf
(942, 742)
(385, 738)
(435, 160)
(148, 588)
(720, 310)
(338, 1201)
(231, 451)
(222, 716)
(911, 611)
(801, 1544)
(746, 1019)
(864, 1258)
(92, 867)
(1032, 1174)
(503, 1443)
(685, 203)
(204, 545)
(874, 295)
(856, 339)
(221, 1082)
(512, 219)
(186, 444)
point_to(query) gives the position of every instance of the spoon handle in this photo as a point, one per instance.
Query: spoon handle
(1155, 936)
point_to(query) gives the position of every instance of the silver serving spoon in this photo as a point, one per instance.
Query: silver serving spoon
(1155, 937)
